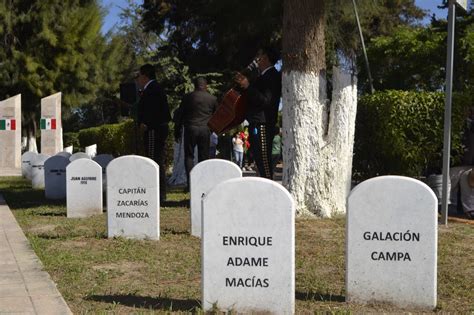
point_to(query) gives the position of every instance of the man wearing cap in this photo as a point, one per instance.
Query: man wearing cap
(195, 110)
(153, 115)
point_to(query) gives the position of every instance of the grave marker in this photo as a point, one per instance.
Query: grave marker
(79, 155)
(103, 160)
(91, 150)
(68, 149)
(55, 177)
(10, 133)
(204, 176)
(50, 124)
(391, 242)
(248, 247)
(26, 160)
(37, 171)
(84, 188)
(133, 207)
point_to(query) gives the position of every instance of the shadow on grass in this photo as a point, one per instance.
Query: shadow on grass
(315, 296)
(30, 198)
(174, 232)
(148, 303)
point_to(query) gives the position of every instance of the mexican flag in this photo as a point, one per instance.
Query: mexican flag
(7, 124)
(48, 123)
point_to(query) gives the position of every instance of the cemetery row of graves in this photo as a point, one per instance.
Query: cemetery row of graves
(242, 235)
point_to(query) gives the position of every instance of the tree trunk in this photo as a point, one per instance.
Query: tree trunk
(318, 136)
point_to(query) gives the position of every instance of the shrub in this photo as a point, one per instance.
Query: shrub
(72, 138)
(120, 139)
(401, 132)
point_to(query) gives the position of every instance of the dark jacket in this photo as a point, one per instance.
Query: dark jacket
(263, 98)
(196, 109)
(153, 109)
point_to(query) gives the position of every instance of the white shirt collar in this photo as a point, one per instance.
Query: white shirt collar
(144, 88)
(263, 72)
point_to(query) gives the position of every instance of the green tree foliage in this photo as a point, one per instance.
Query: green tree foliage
(56, 45)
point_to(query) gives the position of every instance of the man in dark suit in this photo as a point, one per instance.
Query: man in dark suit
(263, 99)
(194, 112)
(153, 117)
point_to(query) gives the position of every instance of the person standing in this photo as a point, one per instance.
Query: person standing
(263, 99)
(238, 148)
(153, 115)
(195, 110)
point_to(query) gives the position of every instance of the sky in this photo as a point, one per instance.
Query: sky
(113, 8)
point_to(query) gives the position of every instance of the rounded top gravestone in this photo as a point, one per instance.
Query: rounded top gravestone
(103, 159)
(79, 155)
(248, 247)
(391, 245)
(37, 170)
(133, 206)
(64, 154)
(55, 177)
(204, 176)
(26, 160)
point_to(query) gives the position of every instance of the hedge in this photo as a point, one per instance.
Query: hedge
(401, 132)
(120, 139)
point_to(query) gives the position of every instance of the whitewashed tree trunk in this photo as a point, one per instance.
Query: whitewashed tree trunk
(32, 144)
(317, 136)
(318, 141)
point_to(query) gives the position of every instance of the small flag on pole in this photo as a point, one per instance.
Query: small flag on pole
(48, 123)
(7, 124)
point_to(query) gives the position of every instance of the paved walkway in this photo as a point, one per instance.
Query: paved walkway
(24, 287)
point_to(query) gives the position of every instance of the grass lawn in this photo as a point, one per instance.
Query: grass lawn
(96, 274)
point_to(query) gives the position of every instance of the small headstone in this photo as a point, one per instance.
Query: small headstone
(26, 160)
(37, 171)
(10, 133)
(65, 154)
(91, 150)
(103, 160)
(204, 176)
(50, 124)
(68, 149)
(84, 188)
(133, 207)
(248, 247)
(391, 245)
(55, 177)
(79, 155)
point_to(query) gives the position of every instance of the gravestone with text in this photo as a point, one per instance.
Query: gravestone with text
(55, 177)
(79, 155)
(84, 188)
(65, 154)
(10, 133)
(204, 176)
(37, 171)
(26, 160)
(248, 247)
(50, 124)
(391, 243)
(133, 207)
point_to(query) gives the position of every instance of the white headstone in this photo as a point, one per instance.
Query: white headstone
(392, 242)
(91, 150)
(248, 247)
(50, 124)
(37, 171)
(55, 177)
(68, 149)
(84, 188)
(26, 160)
(79, 155)
(10, 133)
(133, 203)
(204, 176)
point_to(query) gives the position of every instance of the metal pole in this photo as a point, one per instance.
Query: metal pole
(363, 48)
(447, 112)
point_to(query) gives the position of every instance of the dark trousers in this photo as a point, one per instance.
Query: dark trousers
(195, 136)
(261, 138)
(155, 141)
